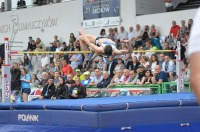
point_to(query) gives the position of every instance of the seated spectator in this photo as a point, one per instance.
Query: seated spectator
(153, 62)
(21, 4)
(101, 65)
(62, 91)
(111, 34)
(77, 90)
(161, 59)
(44, 80)
(183, 29)
(131, 34)
(110, 66)
(154, 37)
(45, 61)
(149, 47)
(126, 77)
(167, 47)
(2, 6)
(66, 69)
(54, 43)
(48, 90)
(40, 2)
(144, 61)
(141, 48)
(58, 47)
(65, 48)
(72, 38)
(140, 73)
(76, 60)
(56, 78)
(116, 80)
(31, 44)
(126, 58)
(169, 68)
(52, 67)
(105, 82)
(136, 54)
(69, 81)
(15, 77)
(120, 65)
(78, 74)
(147, 79)
(40, 45)
(190, 23)
(35, 81)
(123, 35)
(145, 34)
(173, 33)
(103, 34)
(138, 34)
(135, 63)
(133, 78)
(85, 82)
(27, 63)
(97, 78)
(159, 76)
(58, 65)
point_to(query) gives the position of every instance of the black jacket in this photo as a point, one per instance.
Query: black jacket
(51, 91)
(15, 79)
(111, 68)
(62, 92)
(104, 83)
(81, 91)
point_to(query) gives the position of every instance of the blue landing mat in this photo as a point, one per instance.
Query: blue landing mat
(169, 112)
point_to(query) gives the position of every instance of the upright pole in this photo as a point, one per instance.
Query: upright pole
(6, 77)
(179, 70)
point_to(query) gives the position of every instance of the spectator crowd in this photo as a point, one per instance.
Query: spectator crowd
(65, 75)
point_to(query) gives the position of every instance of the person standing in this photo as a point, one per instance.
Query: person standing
(168, 5)
(194, 54)
(25, 84)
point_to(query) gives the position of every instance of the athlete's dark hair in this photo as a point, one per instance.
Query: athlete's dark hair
(108, 50)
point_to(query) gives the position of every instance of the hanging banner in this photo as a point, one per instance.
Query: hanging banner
(98, 13)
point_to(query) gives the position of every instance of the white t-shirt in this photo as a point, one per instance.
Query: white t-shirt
(194, 45)
(45, 60)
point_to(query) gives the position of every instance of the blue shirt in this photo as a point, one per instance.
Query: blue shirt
(162, 75)
(25, 84)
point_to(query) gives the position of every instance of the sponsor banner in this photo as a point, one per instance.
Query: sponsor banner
(114, 91)
(101, 22)
(98, 13)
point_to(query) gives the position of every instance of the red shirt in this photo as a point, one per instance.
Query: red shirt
(67, 70)
(174, 30)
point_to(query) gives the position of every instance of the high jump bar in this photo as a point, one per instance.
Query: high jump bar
(72, 52)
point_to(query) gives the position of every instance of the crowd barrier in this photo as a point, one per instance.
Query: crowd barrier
(168, 87)
(135, 90)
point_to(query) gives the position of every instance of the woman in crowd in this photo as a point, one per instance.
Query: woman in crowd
(62, 91)
(27, 62)
(72, 38)
(135, 63)
(153, 62)
(144, 62)
(120, 65)
(103, 33)
(25, 84)
(147, 79)
(101, 65)
(35, 81)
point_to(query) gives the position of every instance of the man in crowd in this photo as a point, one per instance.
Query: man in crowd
(111, 66)
(105, 82)
(48, 90)
(159, 76)
(116, 80)
(66, 69)
(169, 67)
(78, 90)
(44, 80)
(97, 78)
(78, 74)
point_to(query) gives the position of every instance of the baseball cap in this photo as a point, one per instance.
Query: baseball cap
(78, 70)
(86, 73)
(140, 66)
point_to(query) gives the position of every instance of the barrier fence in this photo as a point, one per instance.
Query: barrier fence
(135, 90)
